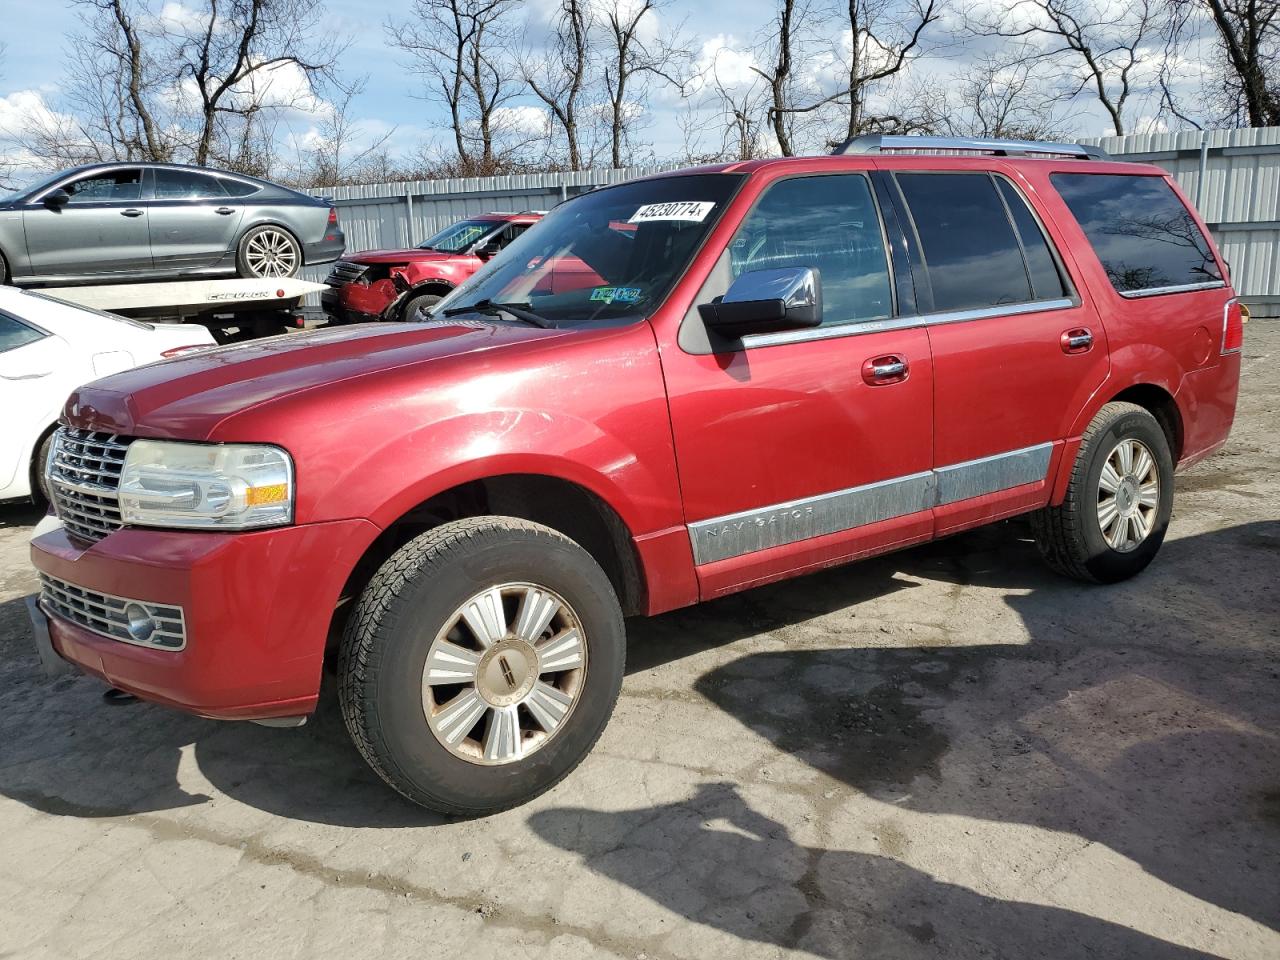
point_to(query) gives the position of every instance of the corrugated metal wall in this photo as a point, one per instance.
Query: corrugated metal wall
(1238, 195)
(392, 215)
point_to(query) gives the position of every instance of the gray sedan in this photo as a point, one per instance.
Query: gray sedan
(127, 221)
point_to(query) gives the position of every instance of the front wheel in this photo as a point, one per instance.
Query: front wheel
(420, 303)
(1119, 499)
(481, 664)
(269, 253)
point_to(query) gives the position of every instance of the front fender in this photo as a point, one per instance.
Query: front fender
(408, 470)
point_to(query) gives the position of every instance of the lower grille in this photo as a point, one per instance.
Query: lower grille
(84, 474)
(344, 272)
(140, 622)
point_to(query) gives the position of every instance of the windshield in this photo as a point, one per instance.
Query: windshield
(607, 254)
(456, 238)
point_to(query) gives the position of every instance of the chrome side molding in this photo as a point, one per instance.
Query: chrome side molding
(721, 538)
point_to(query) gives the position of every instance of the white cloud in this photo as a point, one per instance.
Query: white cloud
(526, 119)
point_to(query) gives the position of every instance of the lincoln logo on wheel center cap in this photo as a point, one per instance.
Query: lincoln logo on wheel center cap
(507, 672)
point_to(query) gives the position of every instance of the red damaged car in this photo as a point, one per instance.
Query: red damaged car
(667, 391)
(396, 284)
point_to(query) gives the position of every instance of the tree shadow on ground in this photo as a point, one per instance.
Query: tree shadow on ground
(1127, 719)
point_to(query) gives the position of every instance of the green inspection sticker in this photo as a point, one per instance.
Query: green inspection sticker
(616, 294)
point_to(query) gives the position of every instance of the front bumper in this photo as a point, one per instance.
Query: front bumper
(358, 302)
(258, 607)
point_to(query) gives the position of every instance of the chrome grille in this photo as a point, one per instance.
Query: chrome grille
(84, 474)
(140, 622)
(344, 272)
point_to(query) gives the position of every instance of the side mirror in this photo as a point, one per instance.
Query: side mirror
(56, 198)
(763, 301)
(489, 250)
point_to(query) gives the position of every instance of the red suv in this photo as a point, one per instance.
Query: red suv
(397, 284)
(784, 365)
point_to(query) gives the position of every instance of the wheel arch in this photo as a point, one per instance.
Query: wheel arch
(556, 502)
(35, 467)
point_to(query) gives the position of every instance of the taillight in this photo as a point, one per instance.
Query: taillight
(333, 216)
(183, 351)
(1233, 317)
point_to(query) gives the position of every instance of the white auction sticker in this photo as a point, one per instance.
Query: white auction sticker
(694, 211)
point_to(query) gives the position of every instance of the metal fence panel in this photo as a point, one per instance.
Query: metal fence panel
(1235, 182)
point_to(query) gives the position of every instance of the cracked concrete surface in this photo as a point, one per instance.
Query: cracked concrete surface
(947, 752)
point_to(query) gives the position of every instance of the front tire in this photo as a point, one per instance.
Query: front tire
(481, 664)
(422, 301)
(1115, 515)
(268, 253)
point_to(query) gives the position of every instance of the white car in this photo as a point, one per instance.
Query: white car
(47, 349)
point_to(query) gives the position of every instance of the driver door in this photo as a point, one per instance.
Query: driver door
(101, 230)
(796, 450)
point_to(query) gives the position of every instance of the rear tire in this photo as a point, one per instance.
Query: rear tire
(268, 253)
(422, 301)
(467, 726)
(1114, 517)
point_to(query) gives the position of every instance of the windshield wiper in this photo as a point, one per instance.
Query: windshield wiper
(491, 308)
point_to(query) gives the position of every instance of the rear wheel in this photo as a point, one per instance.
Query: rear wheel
(1119, 499)
(481, 664)
(268, 252)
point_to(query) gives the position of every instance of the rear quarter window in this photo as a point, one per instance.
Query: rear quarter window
(1143, 234)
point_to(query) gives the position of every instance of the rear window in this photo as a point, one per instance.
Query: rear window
(1141, 231)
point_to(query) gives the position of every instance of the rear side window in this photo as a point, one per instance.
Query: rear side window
(972, 254)
(829, 223)
(1046, 281)
(14, 333)
(186, 185)
(1143, 234)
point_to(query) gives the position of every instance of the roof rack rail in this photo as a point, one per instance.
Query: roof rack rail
(888, 143)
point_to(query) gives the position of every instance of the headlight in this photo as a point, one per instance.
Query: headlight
(223, 486)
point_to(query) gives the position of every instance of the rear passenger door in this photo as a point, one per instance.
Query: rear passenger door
(194, 223)
(1015, 354)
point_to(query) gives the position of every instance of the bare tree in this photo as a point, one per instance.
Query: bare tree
(737, 112)
(1005, 97)
(631, 60)
(1248, 35)
(557, 77)
(462, 51)
(234, 60)
(1102, 44)
(779, 77)
(339, 153)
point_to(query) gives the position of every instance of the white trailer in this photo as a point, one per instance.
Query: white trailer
(232, 310)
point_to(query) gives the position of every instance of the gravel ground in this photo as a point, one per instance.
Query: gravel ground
(947, 752)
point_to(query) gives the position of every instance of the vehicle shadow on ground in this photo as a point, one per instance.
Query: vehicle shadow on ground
(1121, 721)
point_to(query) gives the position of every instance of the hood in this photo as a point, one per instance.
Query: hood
(410, 255)
(187, 397)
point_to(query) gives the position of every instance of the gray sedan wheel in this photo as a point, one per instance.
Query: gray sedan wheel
(268, 252)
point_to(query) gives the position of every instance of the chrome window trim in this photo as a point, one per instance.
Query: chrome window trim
(1176, 288)
(780, 524)
(855, 328)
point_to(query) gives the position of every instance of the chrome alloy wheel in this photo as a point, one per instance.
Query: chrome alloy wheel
(1128, 495)
(271, 253)
(505, 673)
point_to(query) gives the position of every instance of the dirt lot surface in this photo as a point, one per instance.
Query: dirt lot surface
(944, 753)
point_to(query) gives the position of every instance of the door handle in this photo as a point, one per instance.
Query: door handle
(225, 211)
(131, 212)
(880, 371)
(1078, 340)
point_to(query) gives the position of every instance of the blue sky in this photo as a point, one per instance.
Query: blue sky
(721, 34)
